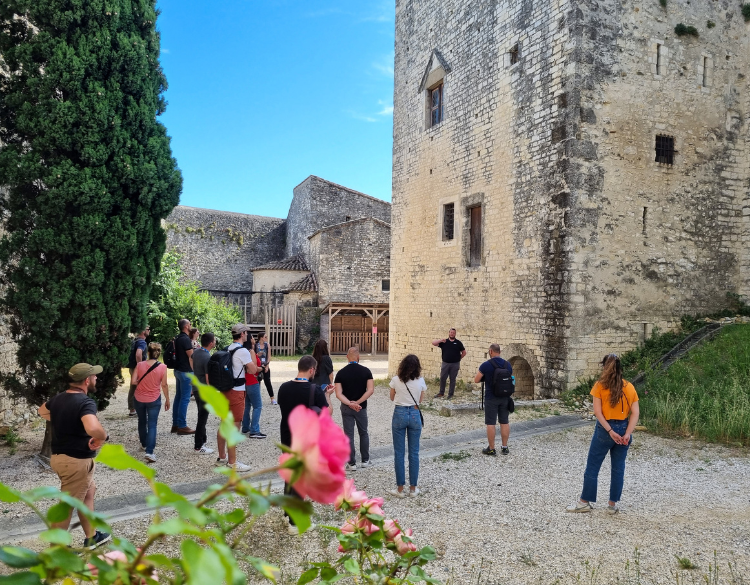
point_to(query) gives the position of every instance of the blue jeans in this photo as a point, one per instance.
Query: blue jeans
(252, 401)
(181, 399)
(148, 416)
(601, 444)
(406, 422)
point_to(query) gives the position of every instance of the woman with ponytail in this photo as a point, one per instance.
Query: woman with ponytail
(616, 409)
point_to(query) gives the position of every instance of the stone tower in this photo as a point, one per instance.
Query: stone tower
(566, 176)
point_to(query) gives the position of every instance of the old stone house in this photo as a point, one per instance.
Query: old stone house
(567, 175)
(330, 258)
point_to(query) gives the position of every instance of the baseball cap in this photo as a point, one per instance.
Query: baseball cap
(80, 372)
(240, 328)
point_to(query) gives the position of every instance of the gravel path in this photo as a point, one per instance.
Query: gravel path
(506, 515)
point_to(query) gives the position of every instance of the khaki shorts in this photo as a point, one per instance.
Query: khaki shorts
(236, 404)
(76, 475)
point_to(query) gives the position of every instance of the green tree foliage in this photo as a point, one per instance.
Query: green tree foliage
(88, 175)
(174, 297)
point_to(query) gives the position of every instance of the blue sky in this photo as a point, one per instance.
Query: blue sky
(264, 93)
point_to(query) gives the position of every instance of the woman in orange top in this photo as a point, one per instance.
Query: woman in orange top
(616, 409)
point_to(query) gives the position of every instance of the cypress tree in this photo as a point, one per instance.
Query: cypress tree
(87, 175)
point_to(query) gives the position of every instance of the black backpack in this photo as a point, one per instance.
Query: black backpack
(170, 355)
(221, 373)
(502, 381)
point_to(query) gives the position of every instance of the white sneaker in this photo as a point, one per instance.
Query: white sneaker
(396, 493)
(414, 493)
(292, 529)
(351, 467)
(580, 506)
(204, 450)
(613, 509)
(240, 467)
(273, 401)
(222, 460)
(150, 457)
(365, 464)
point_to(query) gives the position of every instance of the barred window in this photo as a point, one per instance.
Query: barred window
(448, 221)
(665, 150)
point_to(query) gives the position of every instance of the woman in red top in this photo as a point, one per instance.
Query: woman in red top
(149, 377)
(253, 400)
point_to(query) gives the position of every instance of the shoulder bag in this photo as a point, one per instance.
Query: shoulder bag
(311, 401)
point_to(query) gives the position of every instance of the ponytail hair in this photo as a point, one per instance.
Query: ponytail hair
(611, 377)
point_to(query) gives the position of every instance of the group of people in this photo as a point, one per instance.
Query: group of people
(77, 432)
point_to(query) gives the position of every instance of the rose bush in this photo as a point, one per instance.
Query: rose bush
(213, 547)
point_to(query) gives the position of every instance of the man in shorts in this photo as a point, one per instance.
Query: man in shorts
(242, 361)
(495, 409)
(76, 435)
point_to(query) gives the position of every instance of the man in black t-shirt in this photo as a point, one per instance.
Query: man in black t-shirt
(183, 347)
(297, 393)
(76, 435)
(453, 351)
(354, 385)
(138, 353)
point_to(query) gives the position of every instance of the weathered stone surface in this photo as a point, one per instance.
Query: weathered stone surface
(587, 242)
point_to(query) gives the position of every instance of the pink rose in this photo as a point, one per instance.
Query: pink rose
(403, 547)
(349, 528)
(349, 498)
(320, 449)
(115, 555)
(366, 526)
(391, 529)
(372, 506)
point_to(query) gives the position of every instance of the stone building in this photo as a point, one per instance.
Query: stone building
(330, 255)
(567, 175)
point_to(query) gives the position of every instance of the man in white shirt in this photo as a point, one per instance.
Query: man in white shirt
(243, 360)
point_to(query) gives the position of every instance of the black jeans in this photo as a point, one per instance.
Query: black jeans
(267, 382)
(200, 427)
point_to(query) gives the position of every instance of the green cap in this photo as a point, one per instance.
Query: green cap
(80, 372)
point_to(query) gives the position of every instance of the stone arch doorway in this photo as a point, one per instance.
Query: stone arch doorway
(524, 378)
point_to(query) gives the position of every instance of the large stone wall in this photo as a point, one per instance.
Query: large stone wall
(557, 150)
(220, 249)
(318, 203)
(351, 260)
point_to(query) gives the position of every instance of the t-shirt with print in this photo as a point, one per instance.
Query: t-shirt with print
(488, 370)
(239, 359)
(200, 364)
(182, 345)
(138, 343)
(353, 379)
(69, 437)
(621, 410)
(451, 350)
(261, 350)
(405, 392)
(290, 396)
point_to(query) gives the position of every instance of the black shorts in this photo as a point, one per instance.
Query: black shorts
(496, 409)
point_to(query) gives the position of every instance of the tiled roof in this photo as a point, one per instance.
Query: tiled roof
(292, 263)
(307, 284)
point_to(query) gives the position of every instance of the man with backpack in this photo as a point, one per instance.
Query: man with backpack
(498, 388)
(226, 372)
(137, 355)
(183, 367)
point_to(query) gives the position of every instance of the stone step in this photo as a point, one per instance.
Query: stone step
(451, 409)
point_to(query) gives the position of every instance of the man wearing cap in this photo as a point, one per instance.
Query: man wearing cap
(76, 435)
(243, 360)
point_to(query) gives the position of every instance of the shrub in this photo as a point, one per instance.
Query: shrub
(746, 12)
(682, 30)
(174, 298)
(663, 3)
(710, 24)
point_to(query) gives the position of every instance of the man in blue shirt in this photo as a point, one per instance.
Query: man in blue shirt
(138, 351)
(495, 409)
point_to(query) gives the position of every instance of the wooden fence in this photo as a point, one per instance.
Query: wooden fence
(281, 327)
(341, 341)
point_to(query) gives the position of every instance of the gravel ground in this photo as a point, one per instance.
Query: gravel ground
(502, 521)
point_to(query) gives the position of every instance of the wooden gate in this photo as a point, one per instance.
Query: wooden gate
(281, 328)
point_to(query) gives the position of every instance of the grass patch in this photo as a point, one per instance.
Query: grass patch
(460, 456)
(706, 394)
(682, 30)
(746, 12)
(685, 563)
(12, 438)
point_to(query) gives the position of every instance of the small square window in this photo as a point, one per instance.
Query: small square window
(665, 150)
(385, 285)
(436, 104)
(448, 221)
(514, 55)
